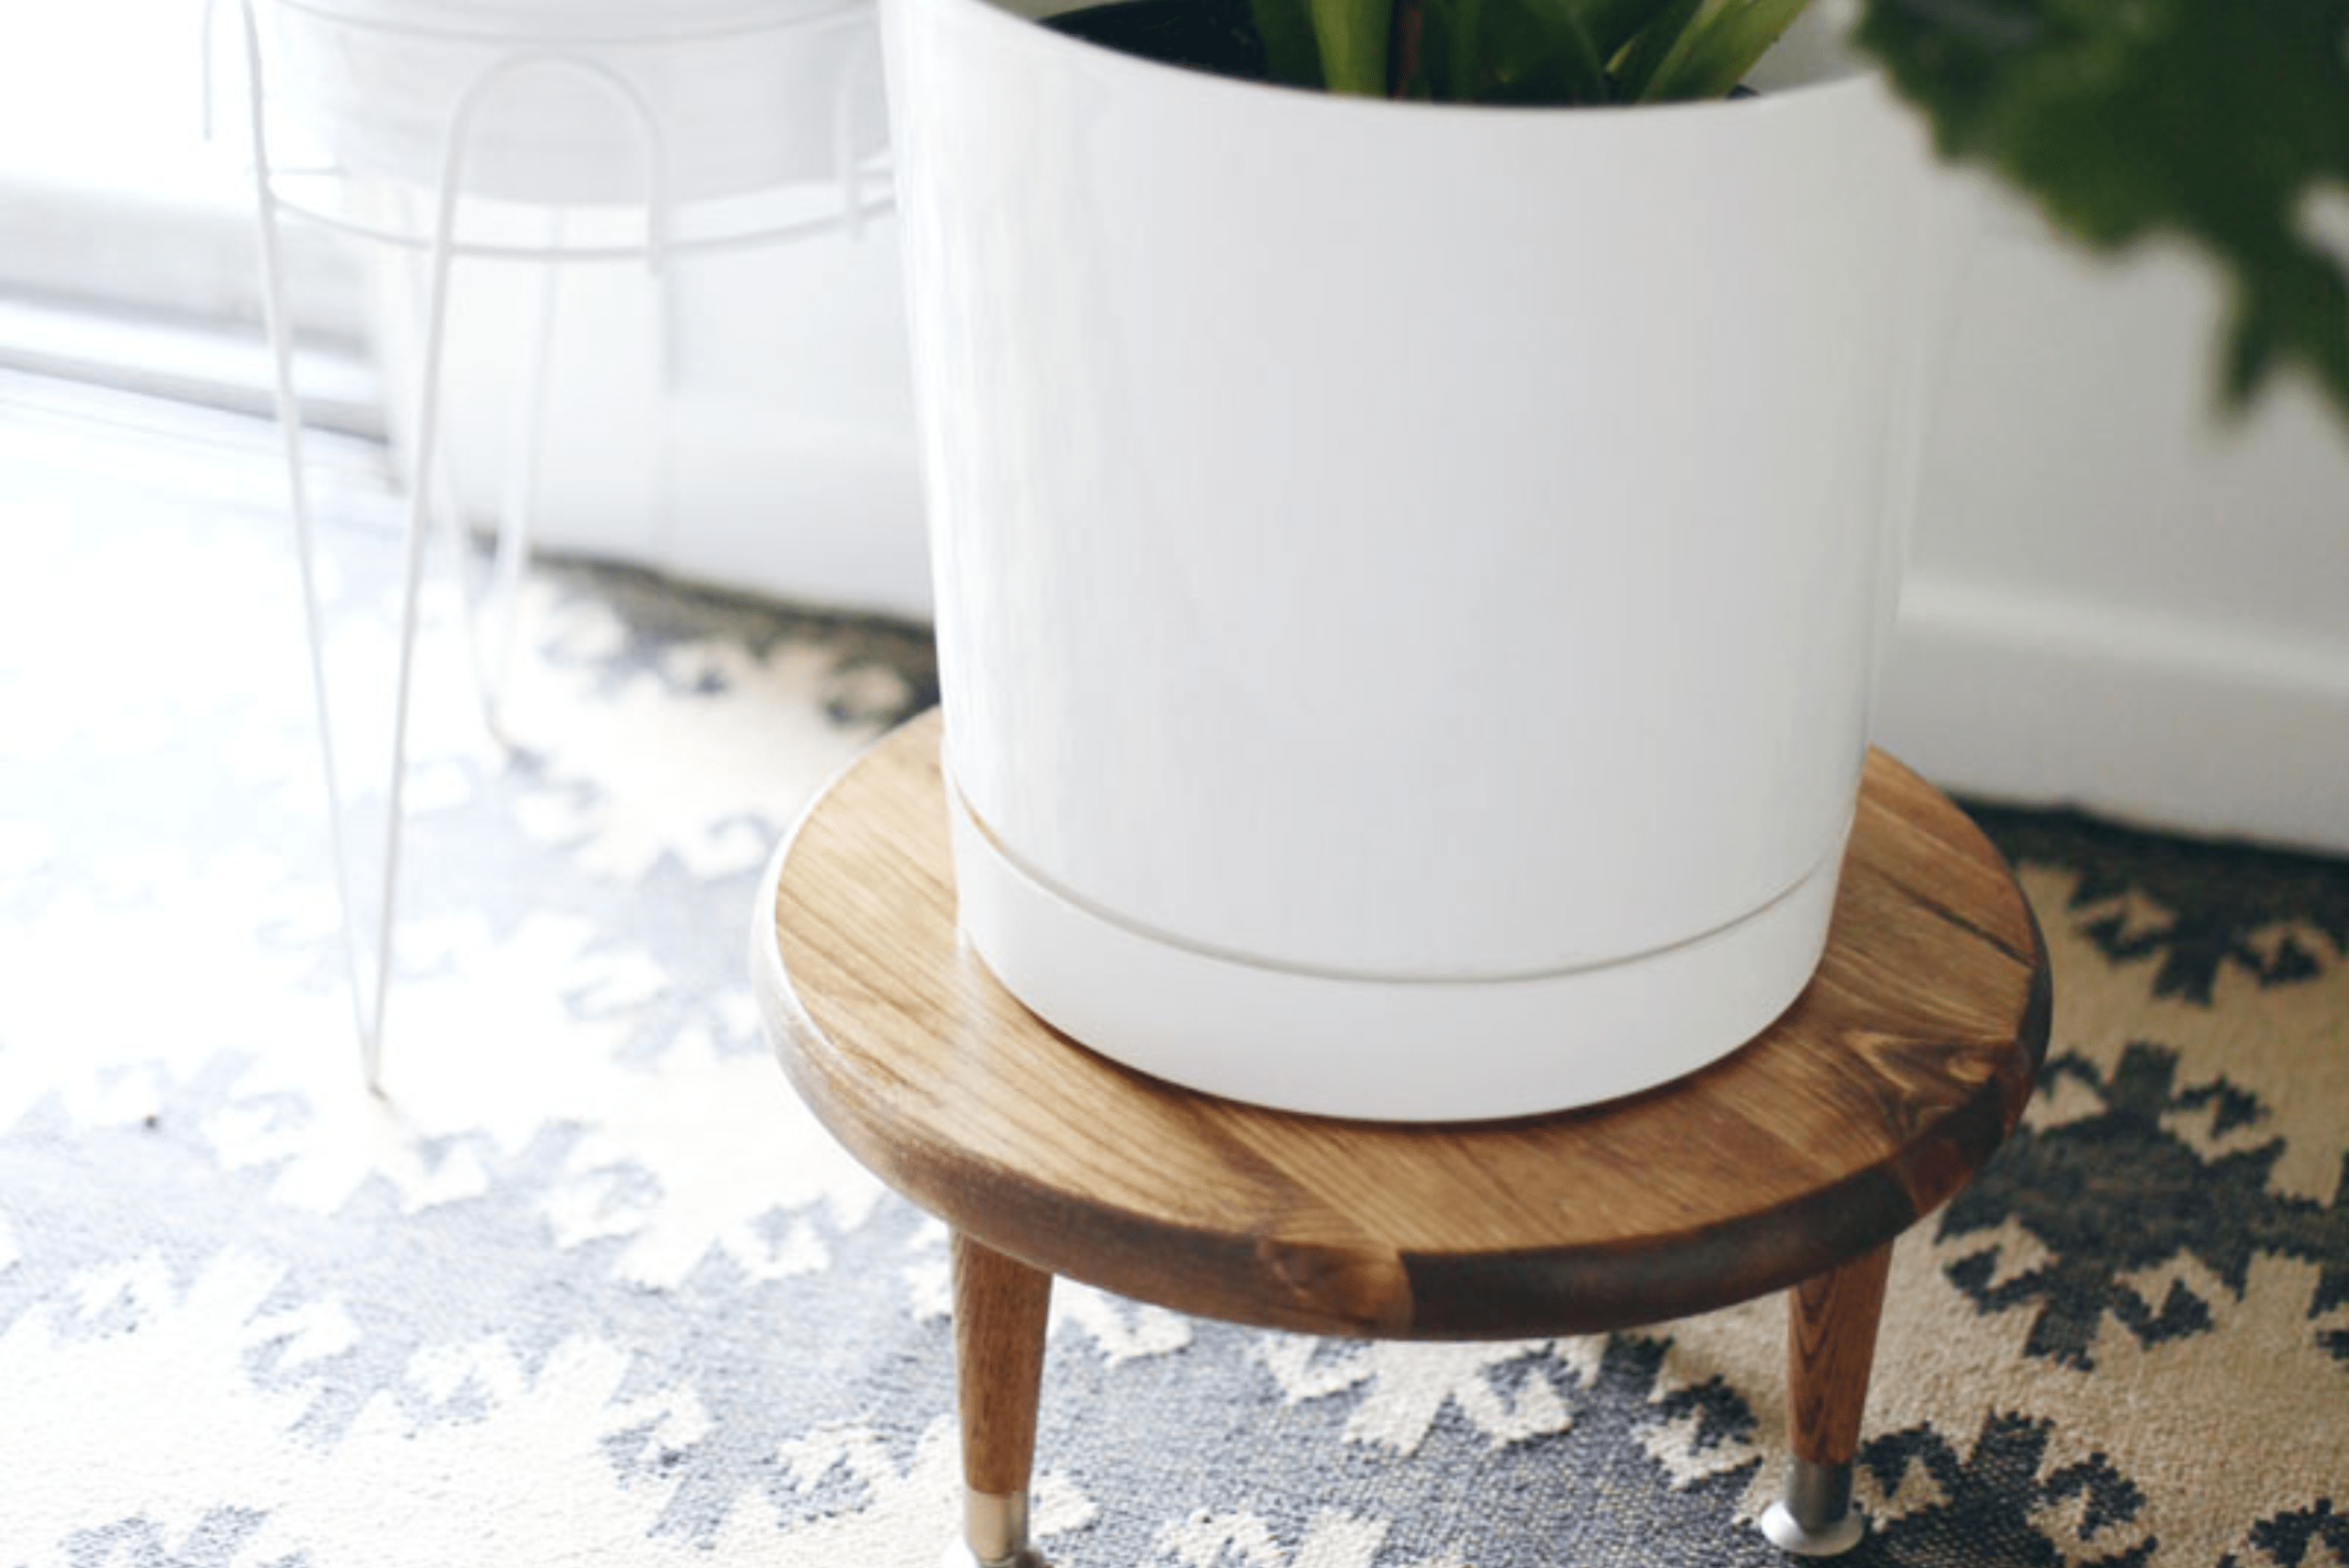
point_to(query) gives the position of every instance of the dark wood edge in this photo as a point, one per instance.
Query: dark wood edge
(1510, 1295)
(1515, 1295)
(1029, 1221)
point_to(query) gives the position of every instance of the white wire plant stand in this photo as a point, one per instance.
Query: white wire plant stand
(543, 132)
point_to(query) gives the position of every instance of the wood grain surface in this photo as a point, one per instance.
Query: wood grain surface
(1869, 1102)
(1830, 1349)
(1001, 1310)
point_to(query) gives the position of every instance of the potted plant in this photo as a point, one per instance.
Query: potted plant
(1409, 571)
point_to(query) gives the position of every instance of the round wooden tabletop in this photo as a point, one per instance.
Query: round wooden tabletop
(1876, 1097)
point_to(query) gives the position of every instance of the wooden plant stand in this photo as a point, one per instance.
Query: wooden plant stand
(1792, 1164)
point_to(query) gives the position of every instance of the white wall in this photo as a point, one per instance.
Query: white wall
(2116, 597)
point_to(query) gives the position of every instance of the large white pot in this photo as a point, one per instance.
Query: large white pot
(1408, 578)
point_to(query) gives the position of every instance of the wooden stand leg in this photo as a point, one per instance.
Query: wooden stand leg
(1831, 1347)
(1001, 1310)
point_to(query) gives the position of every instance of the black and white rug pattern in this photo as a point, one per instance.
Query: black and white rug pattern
(586, 1284)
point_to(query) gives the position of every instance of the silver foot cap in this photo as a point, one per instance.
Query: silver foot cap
(1789, 1534)
(1816, 1517)
(995, 1533)
(958, 1555)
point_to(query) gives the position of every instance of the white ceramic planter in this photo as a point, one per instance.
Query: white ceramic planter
(1408, 578)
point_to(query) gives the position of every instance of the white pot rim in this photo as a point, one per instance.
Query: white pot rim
(1142, 74)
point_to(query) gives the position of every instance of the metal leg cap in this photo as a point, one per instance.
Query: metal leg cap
(959, 1555)
(1788, 1533)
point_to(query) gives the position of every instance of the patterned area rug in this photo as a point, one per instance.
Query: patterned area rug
(586, 1286)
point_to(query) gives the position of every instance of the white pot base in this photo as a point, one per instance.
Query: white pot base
(1385, 1049)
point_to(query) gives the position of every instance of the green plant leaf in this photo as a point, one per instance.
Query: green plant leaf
(1352, 34)
(1453, 58)
(1532, 51)
(1611, 23)
(1721, 46)
(1651, 49)
(1290, 53)
(1579, 62)
(2224, 125)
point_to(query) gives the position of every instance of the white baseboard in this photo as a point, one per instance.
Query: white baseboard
(2154, 718)
(211, 364)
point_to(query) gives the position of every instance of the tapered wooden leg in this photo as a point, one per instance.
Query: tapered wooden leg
(1831, 1347)
(1001, 1310)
